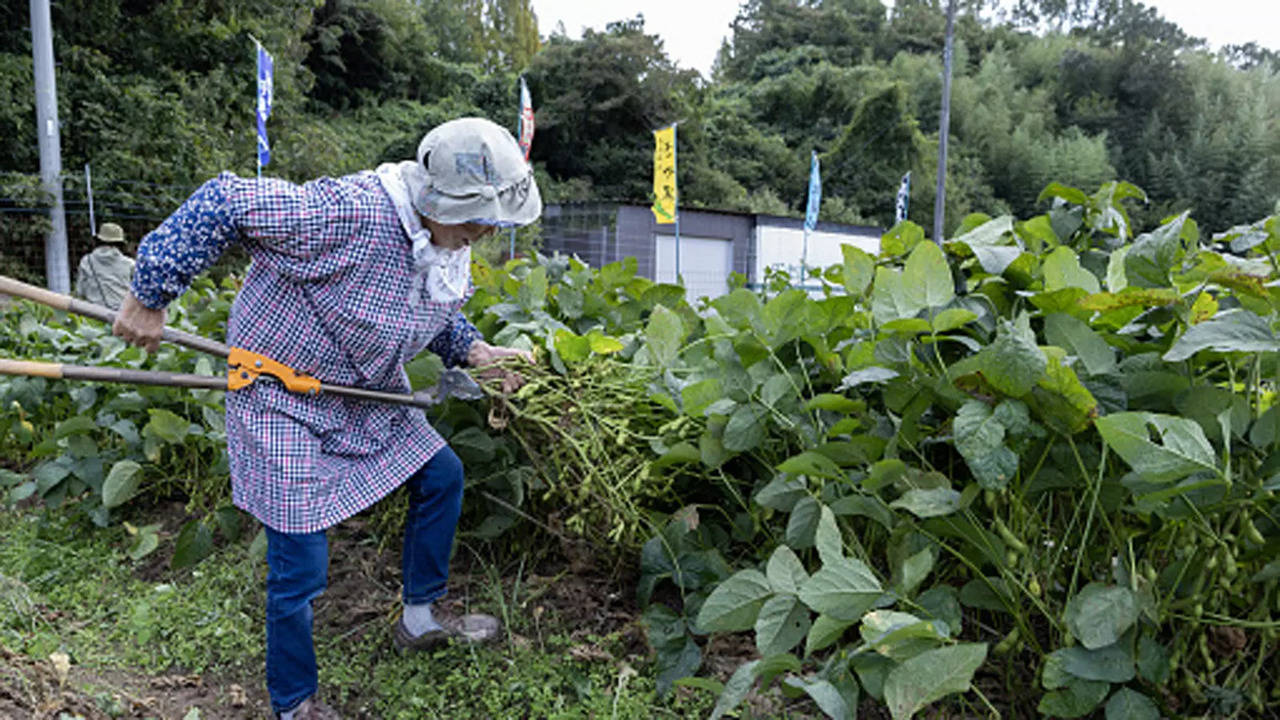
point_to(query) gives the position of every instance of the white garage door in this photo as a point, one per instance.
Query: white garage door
(705, 264)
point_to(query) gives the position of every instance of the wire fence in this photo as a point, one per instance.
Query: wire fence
(136, 205)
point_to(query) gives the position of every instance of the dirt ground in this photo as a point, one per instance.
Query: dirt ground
(362, 585)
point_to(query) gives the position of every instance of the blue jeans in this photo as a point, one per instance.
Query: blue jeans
(298, 567)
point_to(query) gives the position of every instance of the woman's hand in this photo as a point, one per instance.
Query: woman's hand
(490, 360)
(139, 324)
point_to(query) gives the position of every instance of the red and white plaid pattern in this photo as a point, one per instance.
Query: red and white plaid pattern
(327, 294)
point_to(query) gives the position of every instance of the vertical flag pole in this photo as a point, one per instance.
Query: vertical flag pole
(88, 191)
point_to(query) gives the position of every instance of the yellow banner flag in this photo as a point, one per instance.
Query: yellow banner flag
(664, 175)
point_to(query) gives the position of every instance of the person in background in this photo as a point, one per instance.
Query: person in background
(105, 272)
(351, 278)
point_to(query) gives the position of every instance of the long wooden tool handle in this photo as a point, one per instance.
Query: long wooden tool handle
(59, 371)
(58, 301)
(111, 374)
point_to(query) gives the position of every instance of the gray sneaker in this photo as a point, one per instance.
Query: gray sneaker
(312, 709)
(472, 628)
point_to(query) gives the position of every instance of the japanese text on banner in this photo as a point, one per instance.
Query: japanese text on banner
(664, 175)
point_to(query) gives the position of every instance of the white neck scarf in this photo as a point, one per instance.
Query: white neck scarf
(445, 274)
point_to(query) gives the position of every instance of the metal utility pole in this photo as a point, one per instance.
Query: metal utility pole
(944, 126)
(56, 267)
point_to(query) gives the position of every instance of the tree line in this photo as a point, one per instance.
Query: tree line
(1076, 91)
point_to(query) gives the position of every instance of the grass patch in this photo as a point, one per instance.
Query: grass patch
(68, 587)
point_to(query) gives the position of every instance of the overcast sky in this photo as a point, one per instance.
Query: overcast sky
(693, 29)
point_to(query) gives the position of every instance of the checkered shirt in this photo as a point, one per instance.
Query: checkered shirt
(327, 294)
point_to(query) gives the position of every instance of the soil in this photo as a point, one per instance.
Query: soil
(363, 583)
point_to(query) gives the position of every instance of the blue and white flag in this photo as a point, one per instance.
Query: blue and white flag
(904, 197)
(815, 194)
(266, 89)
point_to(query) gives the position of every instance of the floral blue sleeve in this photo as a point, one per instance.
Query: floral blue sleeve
(454, 341)
(298, 226)
(187, 243)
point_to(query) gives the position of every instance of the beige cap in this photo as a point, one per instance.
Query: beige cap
(110, 233)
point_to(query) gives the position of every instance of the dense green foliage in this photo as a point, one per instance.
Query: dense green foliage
(162, 94)
(1067, 462)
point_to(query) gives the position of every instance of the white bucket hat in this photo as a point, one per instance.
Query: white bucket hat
(472, 170)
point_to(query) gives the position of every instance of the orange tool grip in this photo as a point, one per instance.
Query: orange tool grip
(243, 367)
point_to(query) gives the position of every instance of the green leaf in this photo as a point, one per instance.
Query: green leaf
(664, 335)
(698, 396)
(424, 370)
(901, 238)
(194, 543)
(1099, 614)
(681, 452)
(931, 676)
(785, 572)
(121, 483)
(827, 538)
(735, 603)
(1059, 398)
(979, 437)
(1077, 338)
(1058, 190)
(867, 506)
(1238, 331)
(873, 374)
(826, 697)
(781, 493)
(995, 260)
(1128, 704)
(745, 429)
(824, 632)
(889, 298)
(572, 348)
(1154, 255)
(602, 344)
(899, 636)
(834, 403)
(910, 571)
(735, 691)
(926, 277)
(950, 319)
(74, 425)
(812, 464)
(1108, 664)
(146, 542)
(1077, 699)
(678, 655)
(473, 445)
(859, 269)
(783, 622)
(803, 523)
(1182, 448)
(843, 590)
(907, 326)
(1117, 280)
(166, 425)
(1013, 363)
(785, 316)
(990, 233)
(1153, 661)
(1062, 270)
(928, 503)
